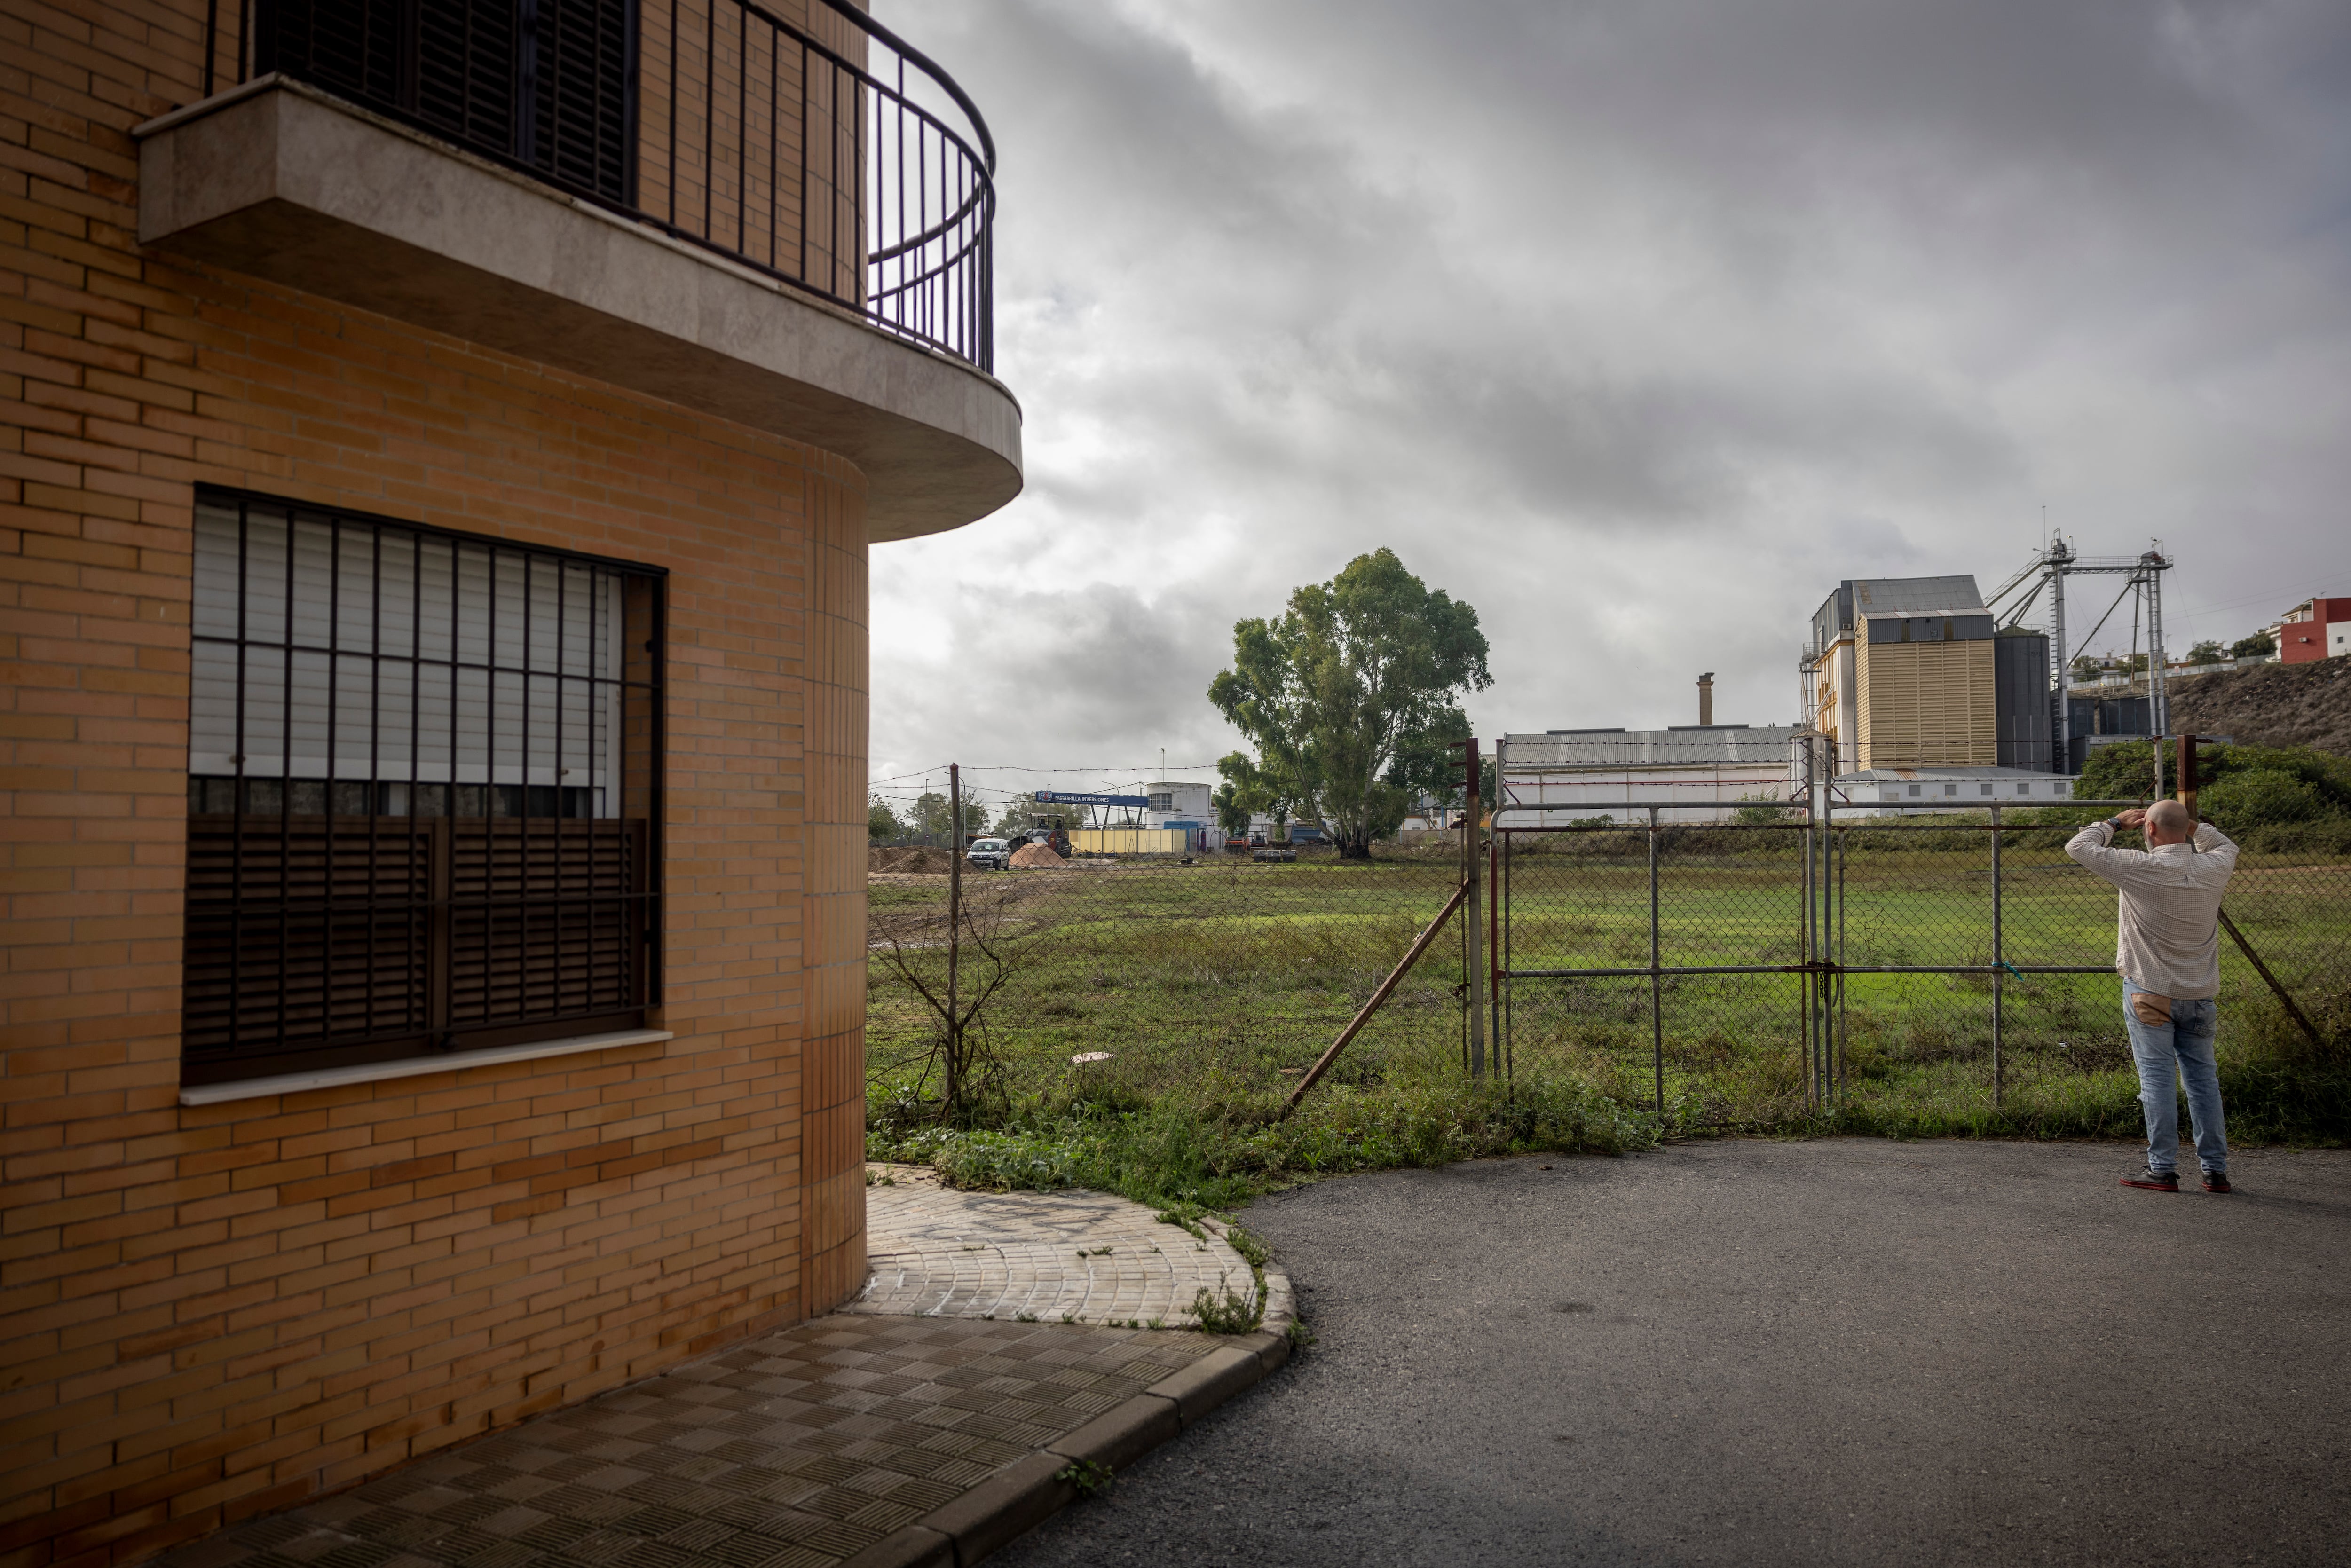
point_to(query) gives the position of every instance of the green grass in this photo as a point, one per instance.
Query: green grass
(1207, 983)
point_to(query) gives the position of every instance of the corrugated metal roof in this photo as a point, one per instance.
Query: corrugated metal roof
(1898, 595)
(1718, 747)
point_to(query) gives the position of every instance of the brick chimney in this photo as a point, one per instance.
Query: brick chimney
(1705, 697)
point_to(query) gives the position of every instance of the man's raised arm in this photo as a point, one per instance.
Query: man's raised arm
(2093, 846)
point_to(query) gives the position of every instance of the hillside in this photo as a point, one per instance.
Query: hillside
(2274, 704)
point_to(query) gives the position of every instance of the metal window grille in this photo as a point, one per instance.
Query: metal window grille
(423, 791)
(546, 84)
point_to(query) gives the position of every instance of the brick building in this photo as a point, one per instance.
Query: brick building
(442, 451)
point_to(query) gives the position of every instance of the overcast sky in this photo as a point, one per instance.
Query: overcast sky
(1635, 325)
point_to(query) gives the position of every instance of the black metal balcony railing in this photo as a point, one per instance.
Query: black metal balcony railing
(826, 153)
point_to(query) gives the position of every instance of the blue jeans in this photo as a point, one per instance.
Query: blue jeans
(2173, 1051)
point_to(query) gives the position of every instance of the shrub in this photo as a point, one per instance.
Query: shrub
(2262, 797)
(2127, 772)
(1761, 811)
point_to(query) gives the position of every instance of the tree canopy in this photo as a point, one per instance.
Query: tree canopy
(933, 813)
(1349, 697)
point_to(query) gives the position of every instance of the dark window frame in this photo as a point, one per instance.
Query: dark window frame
(414, 918)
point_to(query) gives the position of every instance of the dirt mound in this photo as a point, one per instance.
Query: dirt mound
(1035, 855)
(2271, 705)
(918, 859)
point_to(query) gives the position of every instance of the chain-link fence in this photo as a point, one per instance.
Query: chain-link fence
(1134, 976)
(1731, 973)
(1747, 973)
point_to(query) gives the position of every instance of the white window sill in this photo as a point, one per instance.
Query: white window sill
(415, 1067)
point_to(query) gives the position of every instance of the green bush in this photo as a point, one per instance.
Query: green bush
(1759, 811)
(2127, 772)
(2262, 797)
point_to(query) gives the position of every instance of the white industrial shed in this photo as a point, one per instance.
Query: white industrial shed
(1884, 791)
(1691, 773)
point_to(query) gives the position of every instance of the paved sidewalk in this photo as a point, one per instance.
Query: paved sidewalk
(1060, 1257)
(929, 1423)
(796, 1450)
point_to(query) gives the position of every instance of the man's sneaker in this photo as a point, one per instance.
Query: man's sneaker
(2154, 1180)
(2216, 1181)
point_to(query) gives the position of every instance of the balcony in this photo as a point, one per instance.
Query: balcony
(782, 219)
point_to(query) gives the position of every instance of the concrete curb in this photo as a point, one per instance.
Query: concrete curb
(1027, 1492)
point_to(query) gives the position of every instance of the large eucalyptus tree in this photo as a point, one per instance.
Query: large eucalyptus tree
(1349, 697)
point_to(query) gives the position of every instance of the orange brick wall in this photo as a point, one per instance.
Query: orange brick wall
(206, 1312)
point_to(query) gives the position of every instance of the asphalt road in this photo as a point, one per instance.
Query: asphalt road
(1821, 1352)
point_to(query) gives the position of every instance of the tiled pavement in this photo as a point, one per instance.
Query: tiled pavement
(1081, 1256)
(794, 1450)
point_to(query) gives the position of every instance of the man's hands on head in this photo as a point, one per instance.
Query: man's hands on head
(2136, 816)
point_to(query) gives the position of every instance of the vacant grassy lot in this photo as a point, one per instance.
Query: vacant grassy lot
(1212, 985)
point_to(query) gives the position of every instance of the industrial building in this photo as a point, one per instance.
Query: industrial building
(1874, 790)
(1915, 671)
(1691, 773)
(1168, 818)
(1182, 806)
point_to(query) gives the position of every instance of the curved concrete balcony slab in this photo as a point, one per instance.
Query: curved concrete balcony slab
(282, 181)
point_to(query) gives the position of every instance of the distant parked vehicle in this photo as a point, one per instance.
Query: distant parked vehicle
(989, 854)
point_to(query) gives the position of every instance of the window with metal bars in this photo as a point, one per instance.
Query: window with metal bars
(423, 791)
(545, 84)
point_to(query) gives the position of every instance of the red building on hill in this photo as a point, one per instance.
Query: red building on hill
(2314, 630)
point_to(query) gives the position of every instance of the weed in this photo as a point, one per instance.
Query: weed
(1251, 1247)
(1024, 1317)
(1235, 1314)
(1300, 1337)
(1088, 1477)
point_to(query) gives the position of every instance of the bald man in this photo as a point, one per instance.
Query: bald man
(2167, 950)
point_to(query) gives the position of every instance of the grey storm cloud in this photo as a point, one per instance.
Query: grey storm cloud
(1635, 325)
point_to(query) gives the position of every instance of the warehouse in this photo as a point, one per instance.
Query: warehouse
(1690, 773)
(1883, 791)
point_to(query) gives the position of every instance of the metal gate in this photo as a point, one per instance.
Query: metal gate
(1792, 953)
